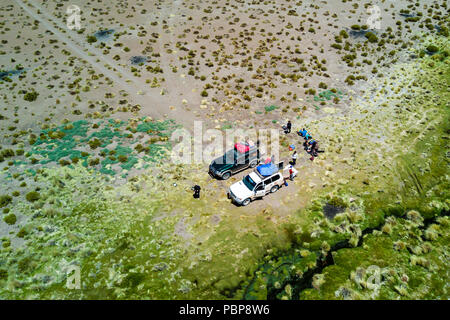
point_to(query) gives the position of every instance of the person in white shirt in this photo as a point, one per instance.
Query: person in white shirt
(294, 158)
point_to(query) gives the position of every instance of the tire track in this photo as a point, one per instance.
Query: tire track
(91, 55)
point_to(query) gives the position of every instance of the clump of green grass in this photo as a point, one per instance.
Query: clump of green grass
(3, 274)
(432, 48)
(22, 233)
(94, 162)
(56, 134)
(30, 96)
(91, 39)
(10, 219)
(64, 162)
(337, 202)
(5, 200)
(122, 158)
(7, 153)
(95, 143)
(33, 196)
(371, 37)
(6, 243)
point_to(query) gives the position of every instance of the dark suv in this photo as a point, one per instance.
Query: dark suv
(233, 161)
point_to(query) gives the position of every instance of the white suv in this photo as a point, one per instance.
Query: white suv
(255, 185)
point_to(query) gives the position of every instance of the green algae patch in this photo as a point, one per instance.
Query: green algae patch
(160, 128)
(270, 108)
(52, 150)
(328, 95)
(82, 140)
(226, 126)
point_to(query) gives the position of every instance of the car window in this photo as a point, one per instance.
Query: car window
(259, 187)
(249, 183)
(272, 179)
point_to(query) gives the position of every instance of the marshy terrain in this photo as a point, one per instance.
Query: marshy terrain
(87, 180)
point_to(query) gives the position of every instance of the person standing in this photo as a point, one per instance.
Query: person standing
(308, 136)
(196, 190)
(302, 133)
(306, 144)
(288, 127)
(314, 147)
(294, 158)
(291, 174)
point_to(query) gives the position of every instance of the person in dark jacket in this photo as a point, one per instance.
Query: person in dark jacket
(313, 145)
(306, 144)
(288, 126)
(196, 190)
(314, 148)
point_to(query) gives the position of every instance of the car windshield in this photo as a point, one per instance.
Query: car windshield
(228, 158)
(249, 183)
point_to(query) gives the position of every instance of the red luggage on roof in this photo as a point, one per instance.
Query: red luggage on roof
(241, 147)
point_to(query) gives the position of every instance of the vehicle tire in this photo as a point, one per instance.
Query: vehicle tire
(253, 164)
(226, 175)
(246, 202)
(274, 189)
